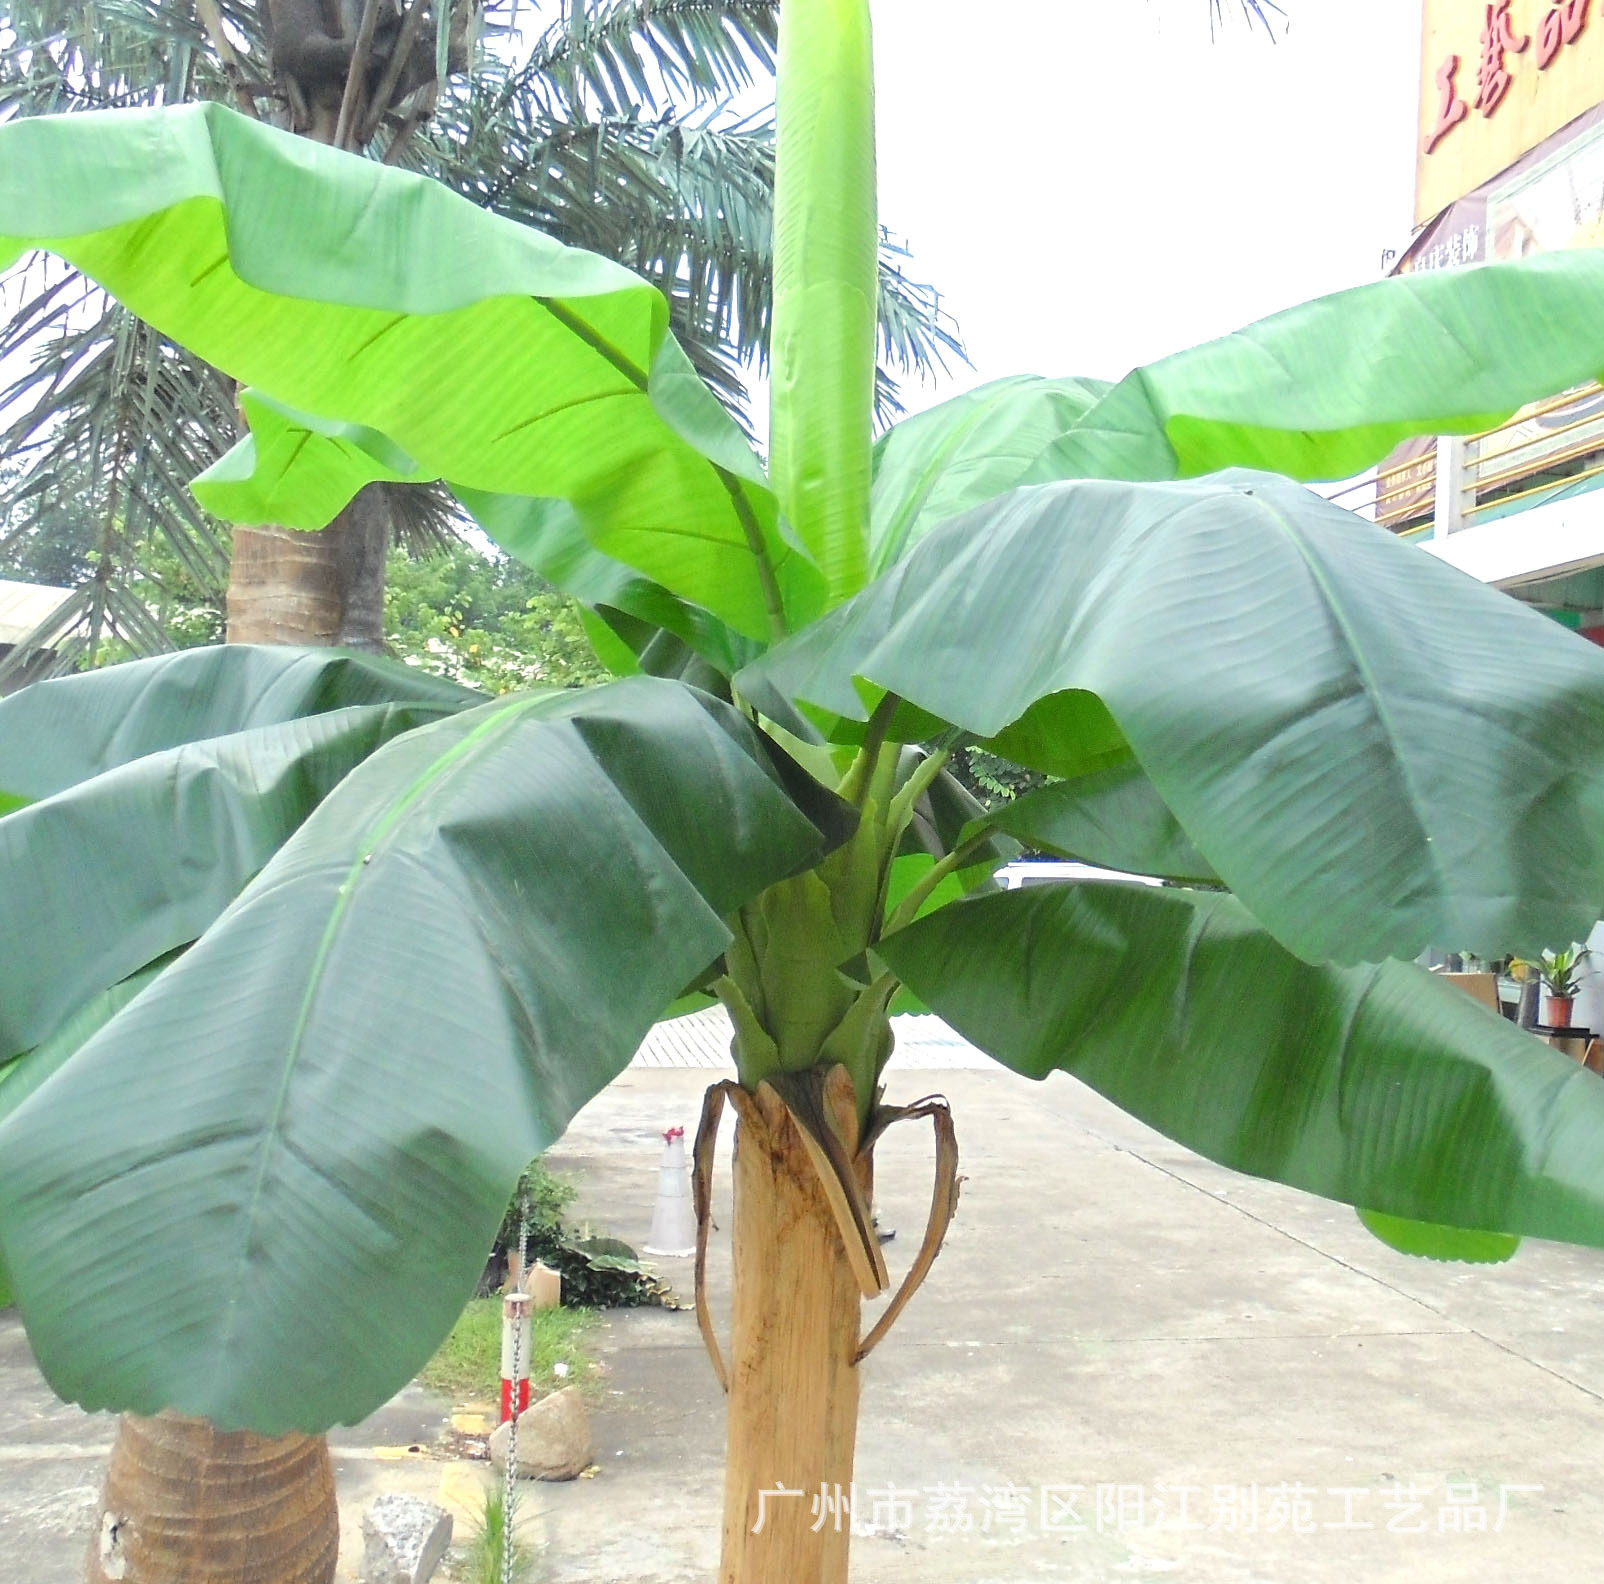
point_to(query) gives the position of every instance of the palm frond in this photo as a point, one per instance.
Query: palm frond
(424, 518)
(685, 202)
(1252, 11)
(95, 624)
(110, 421)
(58, 56)
(623, 55)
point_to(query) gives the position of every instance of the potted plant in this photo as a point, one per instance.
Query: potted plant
(1560, 974)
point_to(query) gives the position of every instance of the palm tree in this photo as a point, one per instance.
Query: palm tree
(604, 132)
(605, 127)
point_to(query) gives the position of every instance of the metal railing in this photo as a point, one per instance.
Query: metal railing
(1549, 448)
(1399, 495)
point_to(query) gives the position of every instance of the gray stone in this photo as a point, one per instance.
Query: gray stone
(553, 1438)
(403, 1540)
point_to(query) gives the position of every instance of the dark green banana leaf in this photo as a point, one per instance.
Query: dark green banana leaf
(1112, 817)
(133, 862)
(320, 1109)
(1382, 1085)
(55, 734)
(1374, 751)
(21, 1075)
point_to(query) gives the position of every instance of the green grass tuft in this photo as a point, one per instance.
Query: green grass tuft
(468, 1363)
(485, 1562)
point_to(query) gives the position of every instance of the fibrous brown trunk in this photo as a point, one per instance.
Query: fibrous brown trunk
(793, 1382)
(186, 1503)
(324, 588)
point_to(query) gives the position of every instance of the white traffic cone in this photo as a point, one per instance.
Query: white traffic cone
(673, 1216)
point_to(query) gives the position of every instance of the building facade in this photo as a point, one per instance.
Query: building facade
(1509, 161)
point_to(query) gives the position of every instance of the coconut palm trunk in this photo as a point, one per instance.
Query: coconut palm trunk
(188, 1504)
(322, 588)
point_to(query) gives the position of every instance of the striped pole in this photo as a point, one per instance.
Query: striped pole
(515, 1346)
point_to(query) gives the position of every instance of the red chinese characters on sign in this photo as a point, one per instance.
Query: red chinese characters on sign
(1450, 107)
(1562, 25)
(1497, 39)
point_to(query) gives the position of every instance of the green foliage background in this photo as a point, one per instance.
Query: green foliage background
(485, 621)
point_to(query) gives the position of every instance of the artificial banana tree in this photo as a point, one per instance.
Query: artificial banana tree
(316, 954)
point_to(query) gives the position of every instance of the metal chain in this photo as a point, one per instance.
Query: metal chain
(509, 1494)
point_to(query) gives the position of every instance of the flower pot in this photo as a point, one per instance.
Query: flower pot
(1559, 1011)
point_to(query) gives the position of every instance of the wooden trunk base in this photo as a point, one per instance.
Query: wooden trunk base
(793, 1398)
(186, 1503)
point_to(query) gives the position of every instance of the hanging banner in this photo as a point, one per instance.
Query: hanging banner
(1552, 197)
(1406, 483)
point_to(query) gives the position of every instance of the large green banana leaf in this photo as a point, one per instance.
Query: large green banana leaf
(1374, 751)
(22, 1074)
(1325, 389)
(55, 734)
(320, 1108)
(965, 451)
(1318, 391)
(1112, 817)
(1382, 1086)
(125, 866)
(293, 466)
(482, 351)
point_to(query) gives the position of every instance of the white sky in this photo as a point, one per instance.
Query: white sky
(1092, 185)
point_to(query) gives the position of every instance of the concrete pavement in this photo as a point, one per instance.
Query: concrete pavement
(1127, 1363)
